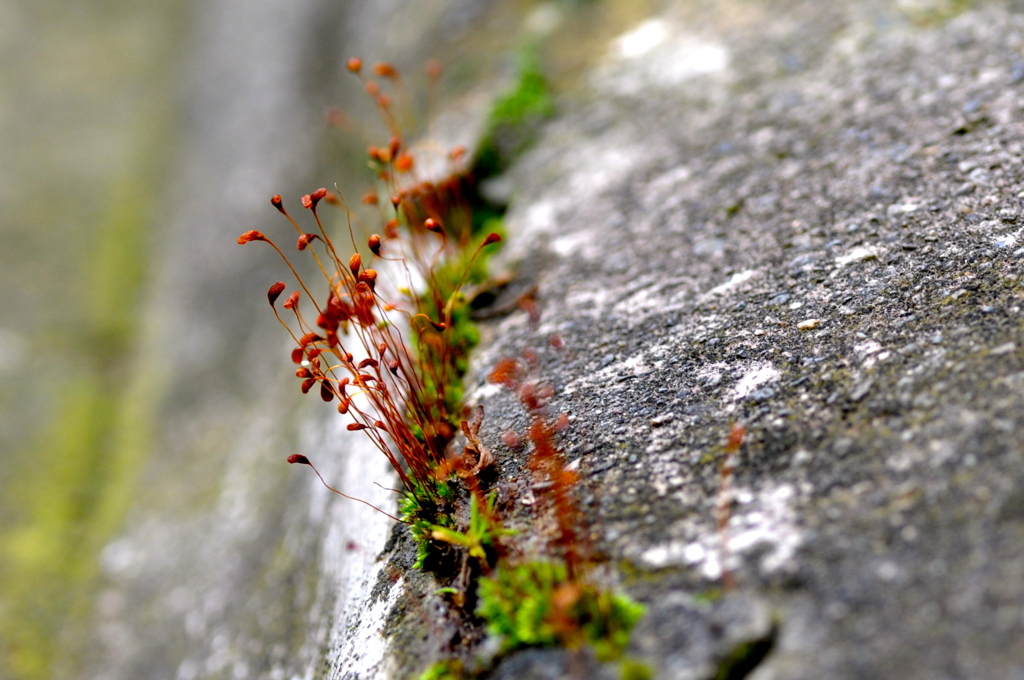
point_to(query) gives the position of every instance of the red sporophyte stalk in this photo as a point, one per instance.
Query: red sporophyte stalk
(726, 469)
(382, 348)
(302, 460)
(547, 460)
(393, 396)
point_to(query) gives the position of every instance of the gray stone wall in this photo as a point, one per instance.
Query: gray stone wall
(803, 218)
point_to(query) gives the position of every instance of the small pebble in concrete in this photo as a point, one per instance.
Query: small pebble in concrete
(1006, 348)
(663, 419)
(808, 324)
(861, 389)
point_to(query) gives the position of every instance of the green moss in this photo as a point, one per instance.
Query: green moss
(425, 511)
(481, 537)
(446, 360)
(514, 120)
(450, 669)
(933, 12)
(631, 669)
(536, 604)
(709, 596)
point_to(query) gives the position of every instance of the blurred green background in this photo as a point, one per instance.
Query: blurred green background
(87, 114)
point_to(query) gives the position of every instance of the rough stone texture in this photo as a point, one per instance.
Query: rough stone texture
(799, 216)
(811, 230)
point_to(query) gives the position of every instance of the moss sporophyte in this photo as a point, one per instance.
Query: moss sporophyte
(386, 335)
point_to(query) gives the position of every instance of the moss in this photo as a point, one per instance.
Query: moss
(631, 669)
(443, 670)
(513, 124)
(933, 12)
(529, 100)
(709, 595)
(450, 359)
(537, 604)
(424, 515)
(481, 538)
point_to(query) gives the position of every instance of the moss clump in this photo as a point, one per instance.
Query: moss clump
(537, 604)
(482, 538)
(424, 515)
(450, 669)
(631, 669)
(933, 12)
(514, 122)
(448, 357)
